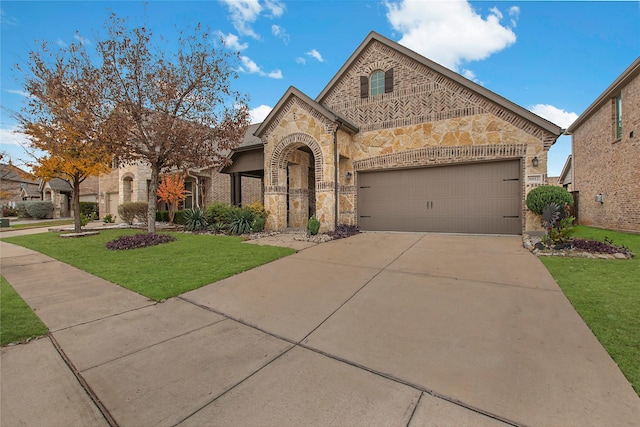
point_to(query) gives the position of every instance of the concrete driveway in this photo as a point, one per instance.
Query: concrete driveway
(377, 329)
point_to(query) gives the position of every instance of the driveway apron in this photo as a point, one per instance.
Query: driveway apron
(476, 322)
(377, 329)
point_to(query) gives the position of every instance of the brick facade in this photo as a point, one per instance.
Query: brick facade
(430, 117)
(606, 165)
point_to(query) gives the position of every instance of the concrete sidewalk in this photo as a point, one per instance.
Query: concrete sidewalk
(378, 329)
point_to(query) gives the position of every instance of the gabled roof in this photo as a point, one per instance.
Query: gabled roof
(480, 90)
(58, 184)
(566, 171)
(293, 92)
(623, 79)
(10, 172)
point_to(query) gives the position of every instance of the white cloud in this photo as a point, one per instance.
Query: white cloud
(275, 7)
(61, 43)
(514, 13)
(280, 33)
(244, 13)
(18, 92)
(11, 136)
(555, 115)
(232, 41)
(301, 60)
(83, 41)
(250, 67)
(449, 32)
(315, 54)
(6, 19)
(258, 114)
(469, 74)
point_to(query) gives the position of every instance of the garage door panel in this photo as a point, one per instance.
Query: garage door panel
(474, 198)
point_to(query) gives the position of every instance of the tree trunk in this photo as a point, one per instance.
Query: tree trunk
(75, 204)
(153, 196)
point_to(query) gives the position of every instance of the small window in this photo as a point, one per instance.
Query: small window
(618, 116)
(376, 86)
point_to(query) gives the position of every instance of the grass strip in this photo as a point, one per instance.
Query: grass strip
(606, 294)
(17, 321)
(157, 272)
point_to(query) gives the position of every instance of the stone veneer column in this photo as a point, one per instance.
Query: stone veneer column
(298, 195)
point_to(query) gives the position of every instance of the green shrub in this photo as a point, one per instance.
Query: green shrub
(313, 226)
(89, 208)
(541, 197)
(21, 208)
(162, 216)
(108, 219)
(131, 211)
(258, 224)
(195, 220)
(241, 221)
(85, 219)
(219, 213)
(180, 217)
(258, 209)
(39, 209)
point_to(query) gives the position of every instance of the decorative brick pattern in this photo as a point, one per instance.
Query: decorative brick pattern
(439, 155)
(420, 95)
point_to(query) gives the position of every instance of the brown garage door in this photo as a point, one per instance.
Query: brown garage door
(470, 198)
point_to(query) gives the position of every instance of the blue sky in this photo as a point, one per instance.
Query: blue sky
(553, 58)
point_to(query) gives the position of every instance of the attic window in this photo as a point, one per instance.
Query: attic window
(377, 83)
(380, 82)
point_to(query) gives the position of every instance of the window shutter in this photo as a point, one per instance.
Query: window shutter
(388, 81)
(364, 86)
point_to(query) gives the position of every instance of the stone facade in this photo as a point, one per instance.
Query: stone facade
(430, 117)
(606, 168)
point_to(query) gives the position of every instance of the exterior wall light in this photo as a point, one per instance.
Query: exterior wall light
(534, 162)
(349, 175)
(600, 198)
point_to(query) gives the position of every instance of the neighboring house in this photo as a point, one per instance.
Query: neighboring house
(130, 183)
(606, 156)
(565, 179)
(57, 191)
(398, 142)
(16, 185)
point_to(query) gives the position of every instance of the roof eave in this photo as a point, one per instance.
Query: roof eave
(622, 80)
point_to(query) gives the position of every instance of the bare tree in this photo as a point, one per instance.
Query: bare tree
(174, 102)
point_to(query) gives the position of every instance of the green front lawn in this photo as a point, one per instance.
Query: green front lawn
(157, 272)
(606, 293)
(17, 321)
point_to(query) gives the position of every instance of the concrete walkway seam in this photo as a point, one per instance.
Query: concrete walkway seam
(235, 385)
(347, 362)
(84, 384)
(360, 289)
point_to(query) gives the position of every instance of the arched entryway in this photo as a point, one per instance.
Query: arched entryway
(295, 173)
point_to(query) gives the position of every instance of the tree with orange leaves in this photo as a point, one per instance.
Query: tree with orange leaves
(67, 123)
(171, 190)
